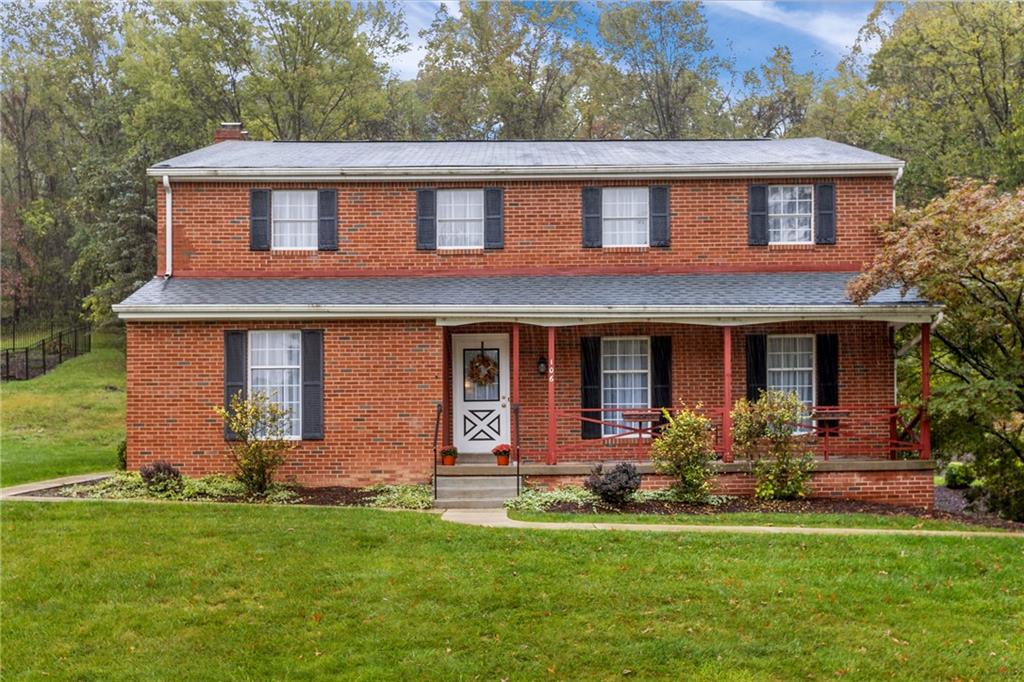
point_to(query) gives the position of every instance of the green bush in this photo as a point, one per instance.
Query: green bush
(122, 455)
(260, 446)
(767, 431)
(401, 496)
(685, 451)
(543, 500)
(959, 475)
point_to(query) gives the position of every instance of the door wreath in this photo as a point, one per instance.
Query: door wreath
(483, 370)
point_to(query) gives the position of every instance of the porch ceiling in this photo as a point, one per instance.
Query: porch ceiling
(549, 300)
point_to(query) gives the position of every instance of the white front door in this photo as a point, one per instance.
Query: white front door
(480, 371)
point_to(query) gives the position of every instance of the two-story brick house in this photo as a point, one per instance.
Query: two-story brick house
(551, 295)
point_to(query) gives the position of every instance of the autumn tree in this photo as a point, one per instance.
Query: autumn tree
(965, 250)
(776, 97)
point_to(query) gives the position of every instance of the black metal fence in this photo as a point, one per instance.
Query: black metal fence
(39, 358)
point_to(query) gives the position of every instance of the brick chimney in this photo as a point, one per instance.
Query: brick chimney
(230, 131)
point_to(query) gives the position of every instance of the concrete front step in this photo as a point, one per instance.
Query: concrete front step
(469, 504)
(474, 492)
(448, 483)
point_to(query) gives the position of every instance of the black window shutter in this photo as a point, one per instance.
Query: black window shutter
(591, 217)
(235, 380)
(312, 384)
(757, 215)
(825, 220)
(827, 356)
(426, 220)
(661, 374)
(590, 392)
(659, 224)
(259, 220)
(494, 218)
(757, 365)
(327, 225)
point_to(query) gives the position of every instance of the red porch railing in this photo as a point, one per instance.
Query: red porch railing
(851, 430)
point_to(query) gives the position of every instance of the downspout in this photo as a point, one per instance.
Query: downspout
(899, 174)
(168, 229)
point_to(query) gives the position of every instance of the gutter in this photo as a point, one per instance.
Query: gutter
(168, 229)
(427, 174)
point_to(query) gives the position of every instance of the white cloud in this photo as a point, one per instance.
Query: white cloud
(834, 29)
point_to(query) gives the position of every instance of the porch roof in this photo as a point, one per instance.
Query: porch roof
(715, 299)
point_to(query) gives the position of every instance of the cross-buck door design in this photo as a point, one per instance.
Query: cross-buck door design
(480, 374)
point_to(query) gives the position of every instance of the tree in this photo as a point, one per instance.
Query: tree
(503, 70)
(965, 250)
(776, 99)
(666, 73)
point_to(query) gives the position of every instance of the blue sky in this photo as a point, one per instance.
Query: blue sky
(817, 33)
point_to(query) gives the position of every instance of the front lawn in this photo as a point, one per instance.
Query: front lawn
(151, 590)
(69, 421)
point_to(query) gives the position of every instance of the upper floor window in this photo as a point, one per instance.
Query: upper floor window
(790, 211)
(294, 219)
(791, 366)
(624, 216)
(460, 219)
(275, 369)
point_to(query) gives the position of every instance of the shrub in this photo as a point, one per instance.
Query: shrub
(685, 451)
(401, 496)
(614, 486)
(543, 500)
(1002, 487)
(122, 455)
(767, 431)
(959, 475)
(260, 446)
(161, 477)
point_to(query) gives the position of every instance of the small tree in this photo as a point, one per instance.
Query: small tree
(685, 451)
(260, 446)
(766, 431)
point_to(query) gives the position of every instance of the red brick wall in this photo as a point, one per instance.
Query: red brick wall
(900, 488)
(865, 376)
(382, 380)
(543, 229)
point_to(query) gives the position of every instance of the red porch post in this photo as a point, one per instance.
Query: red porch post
(727, 394)
(515, 391)
(926, 390)
(552, 420)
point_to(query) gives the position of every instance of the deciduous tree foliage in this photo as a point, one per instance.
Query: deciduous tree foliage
(965, 250)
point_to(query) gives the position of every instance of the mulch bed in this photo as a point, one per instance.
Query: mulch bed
(815, 506)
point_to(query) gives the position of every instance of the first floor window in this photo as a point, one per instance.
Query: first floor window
(791, 366)
(625, 380)
(295, 220)
(624, 216)
(460, 219)
(275, 369)
(789, 214)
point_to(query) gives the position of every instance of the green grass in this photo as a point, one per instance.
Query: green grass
(26, 337)
(66, 422)
(146, 590)
(755, 519)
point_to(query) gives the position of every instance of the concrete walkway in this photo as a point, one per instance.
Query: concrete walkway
(498, 518)
(29, 491)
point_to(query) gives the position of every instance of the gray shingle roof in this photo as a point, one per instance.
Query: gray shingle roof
(527, 294)
(513, 156)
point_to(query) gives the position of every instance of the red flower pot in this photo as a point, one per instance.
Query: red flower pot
(448, 460)
(502, 460)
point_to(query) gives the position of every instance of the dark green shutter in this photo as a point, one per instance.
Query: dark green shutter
(235, 364)
(827, 356)
(590, 390)
(825, 208)
(757, 365)
(327, 223)
(259, 219)
(757, 215)
(659, 223)
(426, 220)
(494, 218)
(661, 373)
(312, 384)
(592, 217)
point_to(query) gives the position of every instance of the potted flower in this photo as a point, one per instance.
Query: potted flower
(502, 452)
(448, 455)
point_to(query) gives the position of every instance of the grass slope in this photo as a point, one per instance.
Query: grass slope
(143, 591)
(66, 422)
(755, 519)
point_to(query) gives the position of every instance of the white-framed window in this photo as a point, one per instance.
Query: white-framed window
(294, 219)
(275, 369)
(791, 366)
(625, 379)
(624, 216)
(460, 219)
(790, 214)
